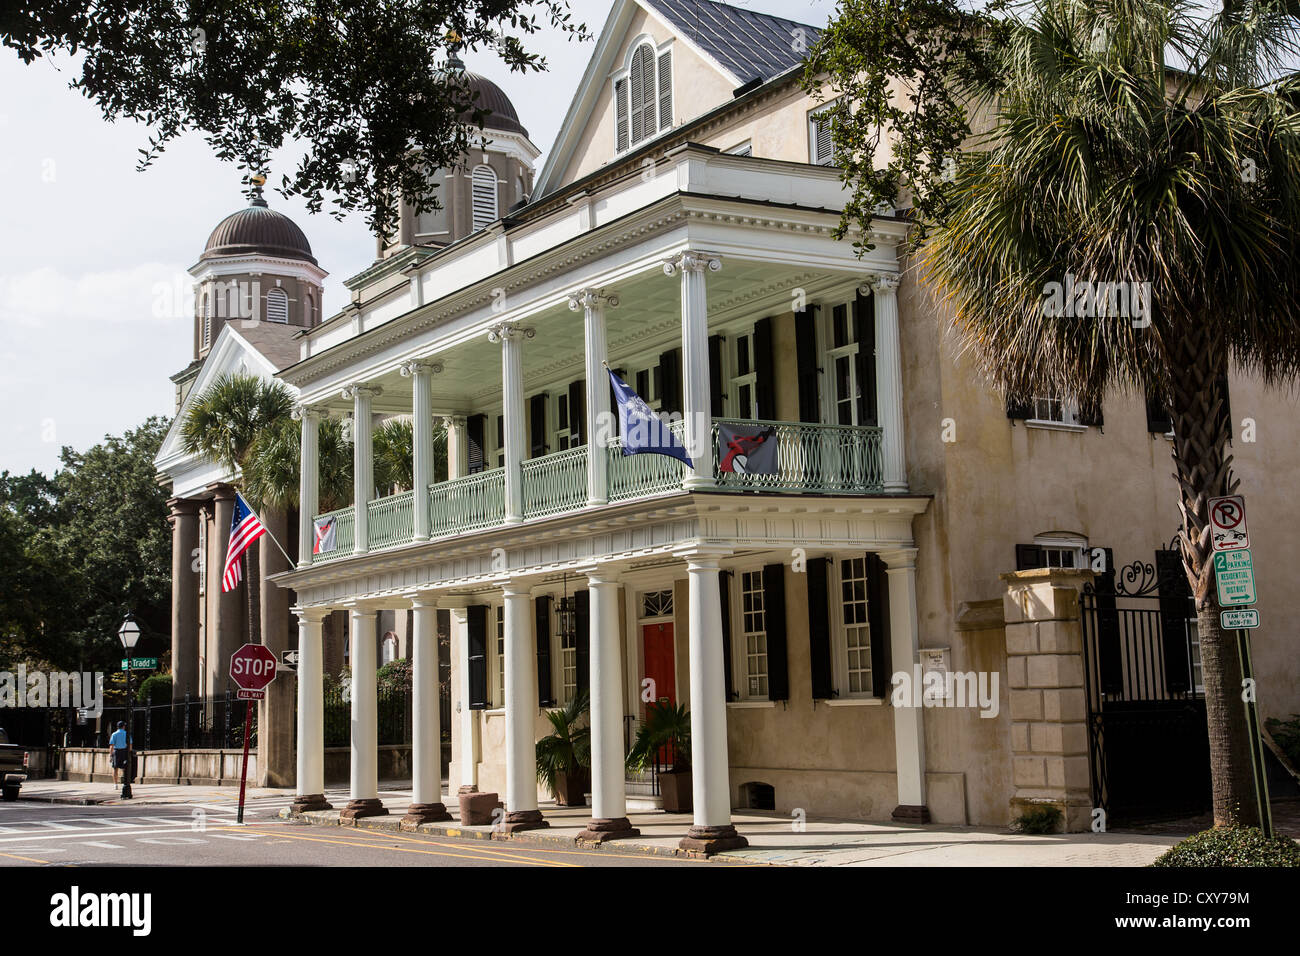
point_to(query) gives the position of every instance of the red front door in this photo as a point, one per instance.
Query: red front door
(658, 641)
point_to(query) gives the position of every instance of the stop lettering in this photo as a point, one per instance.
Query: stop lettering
(252, 667)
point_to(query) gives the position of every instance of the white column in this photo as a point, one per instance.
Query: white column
(363, 462)
(457, 446)
(421, 374)
(593, 304)
(889, 380)
(310, 790)
(608, 797)
(364, 794)
(697, 404)
(308, 482)
(521, 712)
(426, 734)
(711, 788)
(904, 649)
(512, 391)
(466, 732)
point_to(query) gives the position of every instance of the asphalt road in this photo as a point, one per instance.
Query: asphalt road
(197, 834)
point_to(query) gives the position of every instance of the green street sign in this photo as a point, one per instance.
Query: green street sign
(141, 663)
(1243, 617)
(1235, 577)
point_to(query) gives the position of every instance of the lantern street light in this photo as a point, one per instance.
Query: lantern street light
(128, 634)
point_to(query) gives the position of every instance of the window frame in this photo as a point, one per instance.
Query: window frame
(840, 671)
(740, 634)
(280, 296)
(812, 126)
(829, 353)
(474, 183)
(656, 100)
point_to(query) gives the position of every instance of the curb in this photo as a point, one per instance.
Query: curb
(330, 818)
(69, 801)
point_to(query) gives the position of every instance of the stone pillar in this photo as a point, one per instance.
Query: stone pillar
(697, 401)
(308, 482)
(608, 797)
(512, 390)
(521, 712)
(889, 381)
(185, 597)
(712, 830)
(457, 446)
(465, 734)
(1045, 672)
(593, 304)
(228, 608)
(364, 793)
(426, 734)
(275, 712)
(421, 375)
(904, 653)
(310, 784)
(363, 462)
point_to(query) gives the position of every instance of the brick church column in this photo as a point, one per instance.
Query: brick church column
(227, 619)
(185, 597)
(1049, 731)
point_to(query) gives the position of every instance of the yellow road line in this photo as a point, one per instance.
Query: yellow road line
(26, 859)
(480, 855)
(490, 850)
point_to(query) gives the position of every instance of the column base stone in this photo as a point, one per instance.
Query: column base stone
(904, 813)
(517, 820)
(601, 831)
(707, 841)
(418, 813)
(305, 802)
(356, 809)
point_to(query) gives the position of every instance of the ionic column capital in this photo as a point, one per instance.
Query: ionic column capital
(312, 614)
(692, 261)
(884, 283)
(361, 390)
(313, 413)
(592, 299)
(453, 421)
(409, 369)
(508, 332)
(899, 559)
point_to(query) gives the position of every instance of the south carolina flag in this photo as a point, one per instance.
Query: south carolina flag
(644, 432)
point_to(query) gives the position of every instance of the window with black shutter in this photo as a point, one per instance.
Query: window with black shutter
(578, 411)
(1159, 421)
(724, 589)
(806, 364)
(545, 686)
(670, 392)
(537, 425)
(1029, 557)
(765, 370)
(1019, 409)
(478, 652)
(1090, 413)
(778, 668)
(717, 378)
(819, 630)
(864, 333)
(582, 624)
(474, 438)
(878, 616)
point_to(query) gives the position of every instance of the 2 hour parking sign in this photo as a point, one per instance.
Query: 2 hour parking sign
(1235, 577)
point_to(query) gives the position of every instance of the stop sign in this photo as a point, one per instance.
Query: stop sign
(252, 667)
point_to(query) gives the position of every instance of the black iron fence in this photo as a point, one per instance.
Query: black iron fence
(394, 715)
(193, 723)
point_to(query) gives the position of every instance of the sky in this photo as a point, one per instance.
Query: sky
(93, 253)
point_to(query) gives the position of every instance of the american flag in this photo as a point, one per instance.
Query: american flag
(245, 528)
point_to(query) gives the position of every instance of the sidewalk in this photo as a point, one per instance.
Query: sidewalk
(771, 836)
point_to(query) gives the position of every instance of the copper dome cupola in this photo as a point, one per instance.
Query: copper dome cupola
(491, 99)
(258, 230)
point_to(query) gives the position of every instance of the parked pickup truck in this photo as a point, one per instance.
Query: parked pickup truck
(13, 766)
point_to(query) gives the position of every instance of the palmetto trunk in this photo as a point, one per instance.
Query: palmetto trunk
(1201, 433)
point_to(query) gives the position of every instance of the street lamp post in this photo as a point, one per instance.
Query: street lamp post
(128, 634)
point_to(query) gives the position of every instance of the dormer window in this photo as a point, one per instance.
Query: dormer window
(643, 96)
(484, 200)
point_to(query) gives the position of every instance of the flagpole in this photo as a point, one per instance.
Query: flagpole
(268, 531)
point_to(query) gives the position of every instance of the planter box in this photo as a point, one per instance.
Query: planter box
(675, 788)
(571, 788)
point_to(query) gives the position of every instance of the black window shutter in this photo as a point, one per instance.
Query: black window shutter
(1158, 418)
(1018, 409)
(578, 410)
(478, 671)
(878, 623)
(474, 427)
(724, 589)
(545, 687)
(1090, 413)
(537, 425)
(717, 385)
(1028, 557)
(1176, 606)
(670, 371)
(764, 370)
(582, 625)
(819, 630)
(1110, 661)
(778, 667)
(864, 333)
(805, 342)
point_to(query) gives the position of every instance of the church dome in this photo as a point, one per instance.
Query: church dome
(258, 230)
(491, 98)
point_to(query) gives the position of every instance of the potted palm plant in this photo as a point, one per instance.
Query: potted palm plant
(666, 736)
(564, 757)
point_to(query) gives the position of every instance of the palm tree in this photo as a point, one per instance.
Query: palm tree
(1106, 162)
(224, 424)
(567, 750)
(272, 471)
(394, 454)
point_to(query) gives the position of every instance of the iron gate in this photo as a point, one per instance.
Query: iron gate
(1147, 738)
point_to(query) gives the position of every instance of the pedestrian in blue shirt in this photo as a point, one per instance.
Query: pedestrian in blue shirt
(118, 746)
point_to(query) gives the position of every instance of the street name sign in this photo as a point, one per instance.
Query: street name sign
(1235, 577)
(1239, 618)
(141, 663)
(1228, 523)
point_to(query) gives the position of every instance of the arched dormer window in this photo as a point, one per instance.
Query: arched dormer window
(277, 306)
(483, 186)
(643, 96)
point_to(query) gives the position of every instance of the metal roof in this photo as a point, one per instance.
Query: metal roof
(746, 43)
